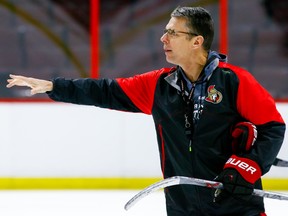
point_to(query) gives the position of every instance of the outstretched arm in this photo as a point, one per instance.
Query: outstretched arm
(36, 85)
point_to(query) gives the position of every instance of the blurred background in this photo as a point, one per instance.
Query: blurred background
(48, 145)
(51, 38)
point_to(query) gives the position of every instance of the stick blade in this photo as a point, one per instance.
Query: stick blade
(175, 180)
(154, 187)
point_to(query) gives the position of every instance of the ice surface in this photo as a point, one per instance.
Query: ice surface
(94, 202)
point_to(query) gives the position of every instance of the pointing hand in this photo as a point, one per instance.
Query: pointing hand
(36, 85)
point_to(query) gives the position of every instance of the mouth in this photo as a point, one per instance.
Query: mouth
(167, 50)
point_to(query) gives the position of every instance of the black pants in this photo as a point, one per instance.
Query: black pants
(187, 200)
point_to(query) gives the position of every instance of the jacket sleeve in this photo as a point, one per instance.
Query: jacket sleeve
(256, 105)
(104, 93)
(134, 94)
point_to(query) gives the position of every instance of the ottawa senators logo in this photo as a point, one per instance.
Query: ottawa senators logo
(214, 96)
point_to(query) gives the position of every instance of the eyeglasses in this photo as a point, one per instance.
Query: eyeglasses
(173, 33)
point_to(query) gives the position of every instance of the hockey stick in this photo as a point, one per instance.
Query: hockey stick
(178, 180)
(280, 163)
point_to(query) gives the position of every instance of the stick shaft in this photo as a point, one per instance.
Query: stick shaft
(179, 180)
(280, 163)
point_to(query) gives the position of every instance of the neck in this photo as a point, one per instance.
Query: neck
(193, 69)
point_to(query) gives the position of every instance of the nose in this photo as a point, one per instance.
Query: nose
(164, 38)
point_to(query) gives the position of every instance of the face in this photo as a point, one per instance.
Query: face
(178, 47)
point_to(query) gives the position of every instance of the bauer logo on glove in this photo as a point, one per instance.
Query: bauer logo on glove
(236, 162)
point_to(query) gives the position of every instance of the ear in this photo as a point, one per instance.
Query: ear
(198, 41)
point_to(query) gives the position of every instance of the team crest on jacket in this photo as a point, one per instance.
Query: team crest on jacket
(214, 96)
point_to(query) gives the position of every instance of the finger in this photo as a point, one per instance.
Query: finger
(36, 90)
(33, 92)
(15, 76)
(10, 83)
(18, 81)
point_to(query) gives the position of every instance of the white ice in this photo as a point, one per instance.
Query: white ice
(94, 202)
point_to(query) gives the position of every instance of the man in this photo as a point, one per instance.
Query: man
(195, 105)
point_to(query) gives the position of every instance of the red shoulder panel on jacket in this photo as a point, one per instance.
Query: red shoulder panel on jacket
(140, 88)
(254, 102)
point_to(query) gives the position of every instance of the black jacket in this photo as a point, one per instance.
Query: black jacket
(223, 96)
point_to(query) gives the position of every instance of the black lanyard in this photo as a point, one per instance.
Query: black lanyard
(189, 109)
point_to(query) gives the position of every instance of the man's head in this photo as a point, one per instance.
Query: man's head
(199, 21)
(188, 36)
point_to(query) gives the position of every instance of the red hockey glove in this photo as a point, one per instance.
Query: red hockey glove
(244, 135)
(238, 178)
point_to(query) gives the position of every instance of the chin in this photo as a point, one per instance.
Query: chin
(170, 61)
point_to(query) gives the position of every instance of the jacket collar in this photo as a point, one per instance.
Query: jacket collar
(211, 65)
